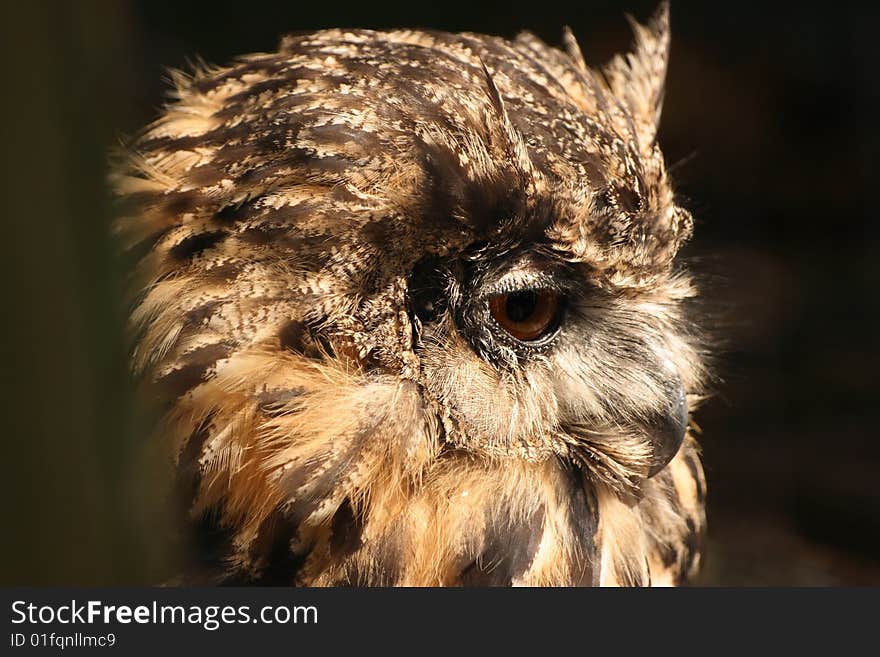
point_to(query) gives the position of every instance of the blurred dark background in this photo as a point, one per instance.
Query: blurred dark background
(771, 123)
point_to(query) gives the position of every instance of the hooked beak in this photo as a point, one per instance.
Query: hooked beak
(668, 429)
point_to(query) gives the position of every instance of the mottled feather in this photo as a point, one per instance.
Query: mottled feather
(320, 228)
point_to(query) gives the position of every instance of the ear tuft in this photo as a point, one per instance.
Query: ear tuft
(638, 78)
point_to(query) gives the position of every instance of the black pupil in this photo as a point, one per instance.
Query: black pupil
(521, 305)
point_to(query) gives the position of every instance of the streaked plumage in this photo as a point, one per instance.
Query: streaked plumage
(323, 231)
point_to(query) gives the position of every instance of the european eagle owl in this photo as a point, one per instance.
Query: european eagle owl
(411, 301)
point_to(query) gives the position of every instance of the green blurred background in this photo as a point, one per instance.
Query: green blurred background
(770, 121)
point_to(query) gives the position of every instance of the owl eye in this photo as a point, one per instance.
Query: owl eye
(527, 315)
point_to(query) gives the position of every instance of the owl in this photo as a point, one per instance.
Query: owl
(411, 305)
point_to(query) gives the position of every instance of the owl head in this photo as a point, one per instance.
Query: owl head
(411, 295)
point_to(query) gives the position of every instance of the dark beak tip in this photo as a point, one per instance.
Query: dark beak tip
(669, 431)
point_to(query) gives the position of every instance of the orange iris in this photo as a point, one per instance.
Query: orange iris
(526, 314)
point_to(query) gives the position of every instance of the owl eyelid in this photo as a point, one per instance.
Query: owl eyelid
(524, 281)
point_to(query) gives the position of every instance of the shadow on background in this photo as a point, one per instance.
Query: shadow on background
(770, 124)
